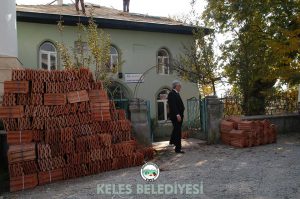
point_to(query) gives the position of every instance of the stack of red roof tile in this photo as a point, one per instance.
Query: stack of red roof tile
(19, 137)
(240, 133)
(11, 111)
(62, 125)
(55, 99)
(16, 86)
(50, 176)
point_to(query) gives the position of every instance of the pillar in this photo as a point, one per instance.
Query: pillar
(213, 115)
(8, 30)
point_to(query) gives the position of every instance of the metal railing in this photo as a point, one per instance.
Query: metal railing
(276, 103)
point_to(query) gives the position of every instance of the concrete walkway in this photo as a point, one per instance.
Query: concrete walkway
(264, 172)
(186, 144)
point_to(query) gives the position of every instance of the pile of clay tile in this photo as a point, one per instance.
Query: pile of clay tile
(61, 125)
(238, 133)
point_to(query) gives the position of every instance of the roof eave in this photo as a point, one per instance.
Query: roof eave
(70, 20)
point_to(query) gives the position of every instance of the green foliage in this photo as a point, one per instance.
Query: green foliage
(279, 101)
(92, 49)
(197, 63)
(99, 45)
(232, 106)
(65, 56)
(82, 57)
(63, 50)
(264, 46)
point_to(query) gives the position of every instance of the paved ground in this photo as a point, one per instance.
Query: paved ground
(264, 172)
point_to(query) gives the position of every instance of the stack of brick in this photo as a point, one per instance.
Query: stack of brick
(240, 133)
(100, 105)
(61, 125)
(22, 166)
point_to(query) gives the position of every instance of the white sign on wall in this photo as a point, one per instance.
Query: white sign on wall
(134, 78)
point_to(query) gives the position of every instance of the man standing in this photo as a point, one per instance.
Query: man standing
(176, 110)
(82, 6)
(126, 5)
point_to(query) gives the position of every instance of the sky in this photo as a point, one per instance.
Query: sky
(164, 8)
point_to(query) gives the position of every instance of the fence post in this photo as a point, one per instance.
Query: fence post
(214, 112)
(203, 118)
(140, 122)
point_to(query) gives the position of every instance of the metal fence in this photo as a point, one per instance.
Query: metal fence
(282, 102)
(193, 113)
(232, 105)
(277, 103)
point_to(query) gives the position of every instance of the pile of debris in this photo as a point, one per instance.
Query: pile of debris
(61, 125)
(240, 133)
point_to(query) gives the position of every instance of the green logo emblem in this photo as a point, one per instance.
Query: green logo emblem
(150, 171)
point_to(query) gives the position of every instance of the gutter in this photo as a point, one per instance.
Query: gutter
(45, 18)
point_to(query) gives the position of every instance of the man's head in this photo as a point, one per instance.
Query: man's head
(176, 84)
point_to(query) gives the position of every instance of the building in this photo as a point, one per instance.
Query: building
(147, 44)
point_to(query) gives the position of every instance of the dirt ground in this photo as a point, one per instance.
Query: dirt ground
(264, 172)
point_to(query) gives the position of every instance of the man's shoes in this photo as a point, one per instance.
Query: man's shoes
(171, 144)
(179, 151)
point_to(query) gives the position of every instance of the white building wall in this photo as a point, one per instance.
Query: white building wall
(139, 50)
(8, 29)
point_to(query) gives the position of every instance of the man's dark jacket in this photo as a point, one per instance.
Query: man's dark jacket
(175, 105)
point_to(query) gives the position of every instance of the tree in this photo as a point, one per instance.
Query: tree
(264, 46)
(97, 53)
(99, 45)
(197, 63)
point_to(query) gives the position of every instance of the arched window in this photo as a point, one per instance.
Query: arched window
(114, 57)
(48, 56)
(162, 105)
(163, 62)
